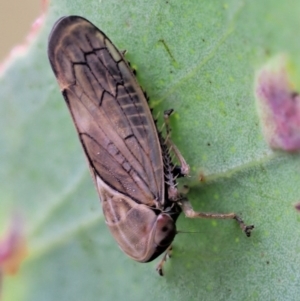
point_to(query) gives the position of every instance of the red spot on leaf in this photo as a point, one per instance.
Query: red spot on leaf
(13, 247)
(297, 206)
(279, 107)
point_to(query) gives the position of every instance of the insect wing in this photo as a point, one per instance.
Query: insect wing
(109, 110)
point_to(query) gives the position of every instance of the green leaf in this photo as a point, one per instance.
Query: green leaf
(199, 58)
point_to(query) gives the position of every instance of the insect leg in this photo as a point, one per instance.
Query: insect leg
(183, 169)
(190, 213)
(167, 114)
(159, 267)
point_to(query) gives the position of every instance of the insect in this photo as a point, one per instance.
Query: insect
(129, 160)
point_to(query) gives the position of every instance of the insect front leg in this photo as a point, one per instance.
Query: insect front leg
(190, 213)
(183, 169)
(159, 267)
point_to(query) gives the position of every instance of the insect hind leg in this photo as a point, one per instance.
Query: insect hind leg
(190, 213)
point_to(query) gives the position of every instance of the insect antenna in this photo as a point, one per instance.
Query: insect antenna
(185, 232)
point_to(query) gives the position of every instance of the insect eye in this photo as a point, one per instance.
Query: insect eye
(165, 230)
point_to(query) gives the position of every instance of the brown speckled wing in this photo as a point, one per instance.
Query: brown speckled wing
(109, 109)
